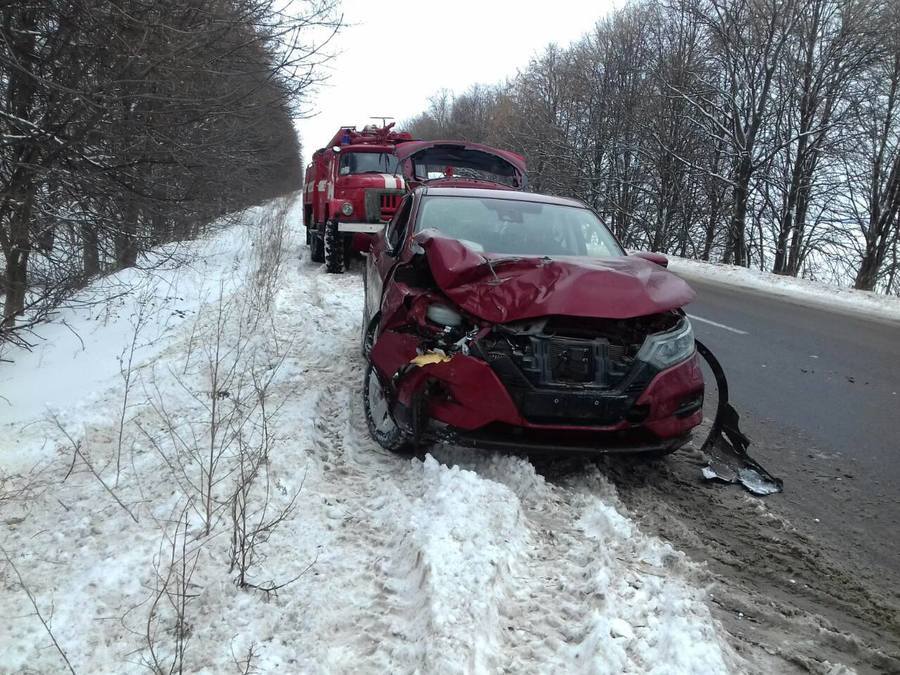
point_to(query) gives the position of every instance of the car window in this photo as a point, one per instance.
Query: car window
(510, 226)
(397, 226)
(597, 240)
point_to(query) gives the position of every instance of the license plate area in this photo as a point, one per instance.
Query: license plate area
(572, 363)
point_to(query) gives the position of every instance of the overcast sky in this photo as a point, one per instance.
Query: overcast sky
(394, 54)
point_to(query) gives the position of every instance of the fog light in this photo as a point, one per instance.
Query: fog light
(347, 209)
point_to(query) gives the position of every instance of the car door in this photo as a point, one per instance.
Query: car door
(383, 255)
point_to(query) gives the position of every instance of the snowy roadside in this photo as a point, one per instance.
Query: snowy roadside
(804, 291)
(125, 532)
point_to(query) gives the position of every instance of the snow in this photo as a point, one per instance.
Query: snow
(460, 562)
(80, 350)
(804, 291)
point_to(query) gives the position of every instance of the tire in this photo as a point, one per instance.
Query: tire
(316, 249)
(378, 416)
(368, 336)
(335, 257)
(348, 251)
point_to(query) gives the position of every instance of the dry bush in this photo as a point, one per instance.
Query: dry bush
(269, 244)
(167, 630)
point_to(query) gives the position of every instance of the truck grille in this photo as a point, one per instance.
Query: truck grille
(389, 204)
(381, 205)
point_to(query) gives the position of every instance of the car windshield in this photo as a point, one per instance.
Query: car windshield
(516, 227)
(368, 162)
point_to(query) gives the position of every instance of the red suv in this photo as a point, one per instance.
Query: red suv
(507, 319)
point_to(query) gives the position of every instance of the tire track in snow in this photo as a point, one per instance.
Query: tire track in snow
(430, 583)
(360, 482)
(433, 541)
(592, 593)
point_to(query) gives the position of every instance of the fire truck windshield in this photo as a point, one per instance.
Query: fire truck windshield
(368, 162)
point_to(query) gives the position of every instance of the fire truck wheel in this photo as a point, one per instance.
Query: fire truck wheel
(316, 248)
(334, 248)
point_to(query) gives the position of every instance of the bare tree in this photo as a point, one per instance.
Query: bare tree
(835, 41)
(126, 125)
(758, 132)
(876, 203)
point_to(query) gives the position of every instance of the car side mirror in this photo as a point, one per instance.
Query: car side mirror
(656, 258)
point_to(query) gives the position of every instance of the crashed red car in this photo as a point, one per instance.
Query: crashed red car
(502, 319)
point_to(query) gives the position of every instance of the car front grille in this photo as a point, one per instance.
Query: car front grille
(557, 361)
(562, 380)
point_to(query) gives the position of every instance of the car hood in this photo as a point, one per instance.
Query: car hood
(464, 155)
(521, 288)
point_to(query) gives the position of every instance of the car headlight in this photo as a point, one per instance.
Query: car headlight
(443, 315)
(347, 209)
(666, 349)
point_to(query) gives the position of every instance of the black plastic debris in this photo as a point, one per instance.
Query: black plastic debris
(726, 445)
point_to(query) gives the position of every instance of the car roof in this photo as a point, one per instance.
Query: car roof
(508, 195)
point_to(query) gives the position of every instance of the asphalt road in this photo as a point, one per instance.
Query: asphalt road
(819, 394)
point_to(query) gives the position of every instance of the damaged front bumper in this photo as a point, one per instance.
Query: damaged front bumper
(461, 398)
(568, 441)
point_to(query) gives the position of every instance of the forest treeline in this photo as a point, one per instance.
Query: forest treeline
(125, 124)
(763, 133)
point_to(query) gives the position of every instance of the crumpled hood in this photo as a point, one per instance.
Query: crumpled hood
(525, 288)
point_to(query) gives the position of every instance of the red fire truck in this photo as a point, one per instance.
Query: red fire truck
(353, 186)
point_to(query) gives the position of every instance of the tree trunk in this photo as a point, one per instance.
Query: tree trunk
(15, 282)
(90, 247)
(126, 242)
(795, 260)
(18, 201)
(737, 237)
(882, 225)
(787, 220)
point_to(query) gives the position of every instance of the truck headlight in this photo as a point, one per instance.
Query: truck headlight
(664, 350)
(347, 209)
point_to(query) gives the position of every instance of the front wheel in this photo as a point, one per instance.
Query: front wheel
(381, 423)
(335, 251)
(369, 328)
(316, 248)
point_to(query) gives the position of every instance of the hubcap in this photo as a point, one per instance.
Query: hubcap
(378, 406)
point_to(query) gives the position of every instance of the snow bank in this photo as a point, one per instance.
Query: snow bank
(82, 350)
(805, 291)
(461, 562)
(603, 596)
